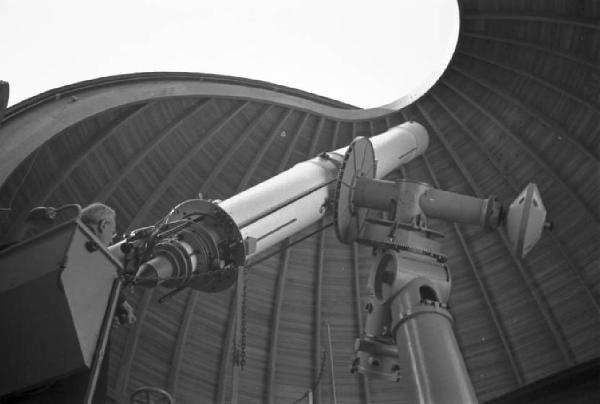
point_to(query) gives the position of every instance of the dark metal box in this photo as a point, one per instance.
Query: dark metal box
(54, 290)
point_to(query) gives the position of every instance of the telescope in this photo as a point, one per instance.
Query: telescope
(203, 237)
(408, 334)
(202, 244)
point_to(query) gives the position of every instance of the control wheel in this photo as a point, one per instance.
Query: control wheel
(151, 395)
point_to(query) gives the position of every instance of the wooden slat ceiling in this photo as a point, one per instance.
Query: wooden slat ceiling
(519, 103)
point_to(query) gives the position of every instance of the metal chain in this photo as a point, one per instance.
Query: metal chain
(244, 318)
(317, 380)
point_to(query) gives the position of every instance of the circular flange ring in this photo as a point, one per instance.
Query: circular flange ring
(215, 224)
(359, 161)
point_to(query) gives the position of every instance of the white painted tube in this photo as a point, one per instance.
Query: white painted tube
(296, 198)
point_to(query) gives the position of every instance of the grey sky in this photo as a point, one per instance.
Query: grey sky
(363, 53)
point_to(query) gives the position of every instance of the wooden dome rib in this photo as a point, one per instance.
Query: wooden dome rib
(43, 194)
(538, 79)
(523, 146)
(226, 352)
(133, 337)
(225, 160)
(546, 121)
(534, 47)
(579, 21)
(274, 339)
(179, 348)
(124, 172)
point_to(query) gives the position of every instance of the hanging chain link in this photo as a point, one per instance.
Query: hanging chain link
(244, 317)
(315, 384)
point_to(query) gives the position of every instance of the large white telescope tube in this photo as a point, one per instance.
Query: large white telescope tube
(296, 198)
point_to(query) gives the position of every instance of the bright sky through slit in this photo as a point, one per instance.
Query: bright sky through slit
(365, 53)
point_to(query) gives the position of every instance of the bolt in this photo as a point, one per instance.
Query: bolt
(369, 307)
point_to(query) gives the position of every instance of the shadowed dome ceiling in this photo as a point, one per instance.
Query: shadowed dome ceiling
(519, 103)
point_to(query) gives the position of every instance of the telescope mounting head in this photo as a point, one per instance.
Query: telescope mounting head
(198, 245)
(408, 204)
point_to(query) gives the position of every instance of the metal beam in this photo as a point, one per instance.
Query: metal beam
(517, 371)
(275, 325)
(133, 337)
(180, 343)
(550, 171)
(547, 315)
(110, 187)
(182, 163)
(534, 47)
(532, 112)
(576, 270)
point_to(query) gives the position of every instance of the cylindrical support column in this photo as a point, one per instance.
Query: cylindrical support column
(431, 363)
(454, 207)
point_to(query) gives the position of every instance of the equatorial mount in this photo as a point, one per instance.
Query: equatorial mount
(408, 329)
